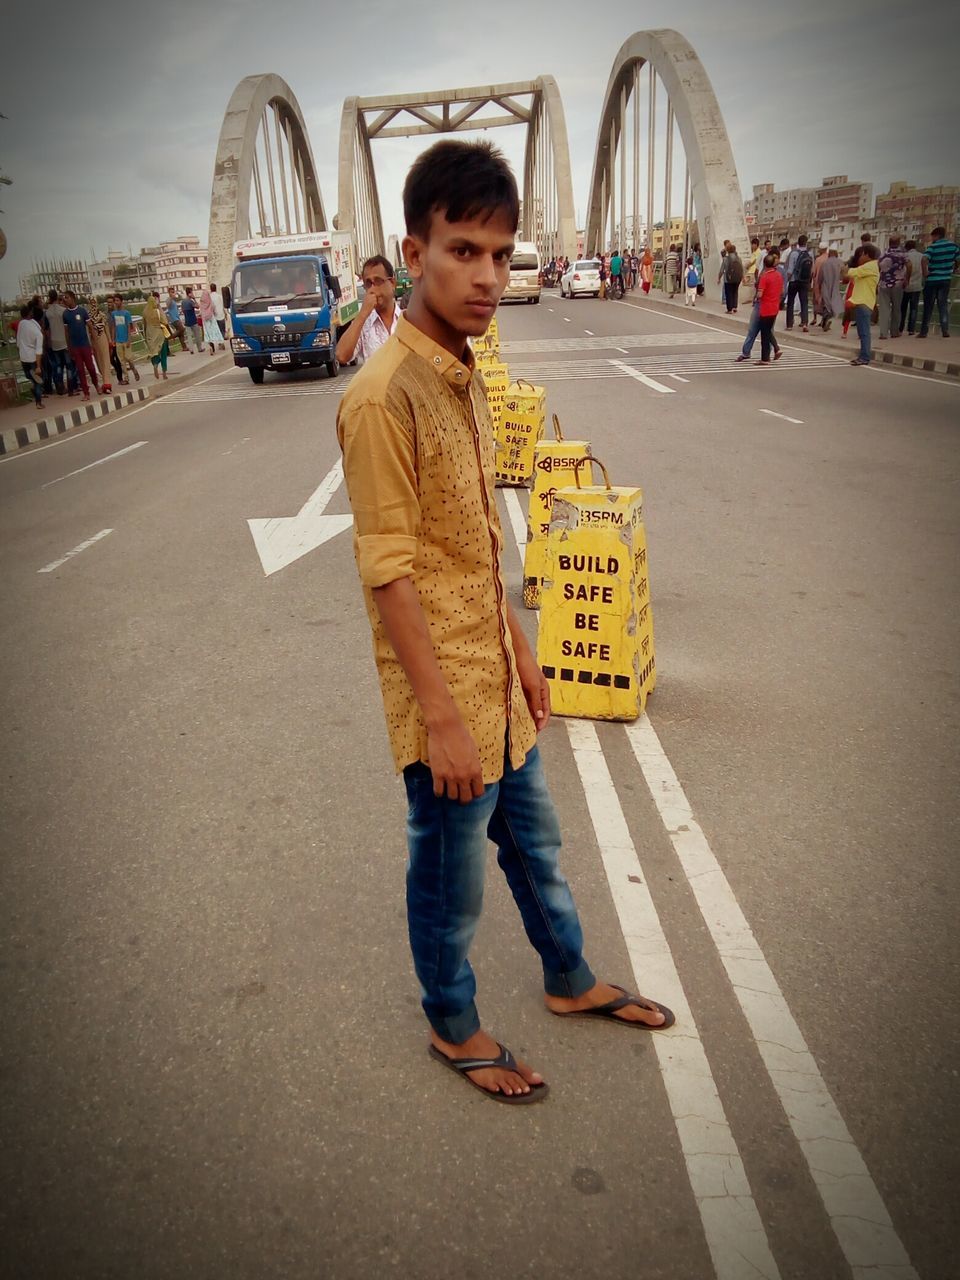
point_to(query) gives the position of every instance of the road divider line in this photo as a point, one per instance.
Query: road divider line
(732, 1225)
(642, 377)
(857, 1213)
(99, 462)
(55, 564)
(676, 377)
(588, 332)
(566, 319)
(623, 349)
(797, 422)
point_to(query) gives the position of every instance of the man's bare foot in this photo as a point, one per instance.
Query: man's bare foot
(603, 993)
(493, 1079)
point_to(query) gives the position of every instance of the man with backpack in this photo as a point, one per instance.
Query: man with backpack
(731, 276)
(799, 275)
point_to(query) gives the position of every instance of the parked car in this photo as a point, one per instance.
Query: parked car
(581, 277)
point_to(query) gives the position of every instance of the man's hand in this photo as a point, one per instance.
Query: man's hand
(536, 689)
(454, 761)
(369, 303)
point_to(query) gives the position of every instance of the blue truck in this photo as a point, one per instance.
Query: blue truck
(291, 298)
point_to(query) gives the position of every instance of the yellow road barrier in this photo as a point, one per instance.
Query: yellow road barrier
(496, 378)
(553, 468)
(596, 626)
(488, 343)
(519, 430)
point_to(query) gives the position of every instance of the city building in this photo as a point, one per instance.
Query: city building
(922, 208)
(844, 234)
(181, 262)
(840, 200)
(773, 213)
(120, 271)
(676, 232)
(55, 273)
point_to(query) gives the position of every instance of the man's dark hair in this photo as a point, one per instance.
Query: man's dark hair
(755, 241)
(784, 241)
(802, 242)
(911, 244)
(36, 313)
(25, 311)
(865, 238)
(52, 296)
(938, 233)
(894, 242)
(463, 180)
(770, 260)
(869, 250)
(378, 260)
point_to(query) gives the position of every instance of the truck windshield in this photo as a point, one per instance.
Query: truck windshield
(258, 282)
(523, 262)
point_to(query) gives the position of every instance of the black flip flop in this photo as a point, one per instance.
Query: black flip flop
(506, 1059)
(609, 1011)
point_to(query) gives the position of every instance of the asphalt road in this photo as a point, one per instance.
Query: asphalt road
(213, 1059)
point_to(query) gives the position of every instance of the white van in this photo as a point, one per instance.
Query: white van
(524, 273)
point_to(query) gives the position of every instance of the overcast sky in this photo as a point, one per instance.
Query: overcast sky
(114, 109)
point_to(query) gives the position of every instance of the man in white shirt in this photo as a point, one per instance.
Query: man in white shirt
(379, 313)
(30, 348)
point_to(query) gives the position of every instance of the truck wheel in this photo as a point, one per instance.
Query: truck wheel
(256, 374)
(536, 301)
(333, 368)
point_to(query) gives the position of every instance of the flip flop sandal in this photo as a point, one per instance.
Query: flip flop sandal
(506, 1059)
(609, 1011)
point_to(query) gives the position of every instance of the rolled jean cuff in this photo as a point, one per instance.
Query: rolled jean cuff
(574, 983)
(458, 1027)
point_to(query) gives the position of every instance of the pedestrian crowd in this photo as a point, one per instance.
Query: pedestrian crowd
(882, 286)
(67, 346)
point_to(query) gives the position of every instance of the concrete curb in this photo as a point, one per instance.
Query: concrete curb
(47, 428)
(946, 368)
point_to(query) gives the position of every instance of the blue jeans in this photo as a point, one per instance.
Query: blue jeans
(861, 318)
(753, 332)
(448, 852)
(57, 365)
(936, 293)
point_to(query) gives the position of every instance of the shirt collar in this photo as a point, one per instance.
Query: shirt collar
(455, 372)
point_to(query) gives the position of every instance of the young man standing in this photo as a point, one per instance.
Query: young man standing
(799, 274)
(77, 324)
(121, 334)
(942, 257)
(191, 319)
(463, 695)
(379, 313)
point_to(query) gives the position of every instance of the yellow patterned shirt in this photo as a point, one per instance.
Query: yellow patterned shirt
(418, 458)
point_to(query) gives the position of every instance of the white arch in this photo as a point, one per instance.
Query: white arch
(233, 169)
(547, 101)
(717, 198)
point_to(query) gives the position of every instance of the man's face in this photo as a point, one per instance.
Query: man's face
(171, 291)
(379, 284)
(462, 269)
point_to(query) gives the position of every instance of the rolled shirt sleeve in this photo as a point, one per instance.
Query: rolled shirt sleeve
(379, 465)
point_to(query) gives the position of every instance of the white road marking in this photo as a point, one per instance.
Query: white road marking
(856, 1211)
(55, 564)
(798, 422)
(566, 319)
(676, 377)
(99, 463)
(878, 368)
(642, 377)
(731, 1222)
(283, 539)
(588, 333)
(623, 349)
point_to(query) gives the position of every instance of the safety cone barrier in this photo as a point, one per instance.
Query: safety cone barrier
(519, 431)
(553, 468)
(595, 645)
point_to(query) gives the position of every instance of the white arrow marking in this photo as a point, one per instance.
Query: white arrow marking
(283, 539)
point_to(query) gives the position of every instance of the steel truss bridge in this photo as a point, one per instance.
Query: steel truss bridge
(658, 95)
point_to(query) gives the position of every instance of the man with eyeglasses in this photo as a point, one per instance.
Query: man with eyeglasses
(379, 313)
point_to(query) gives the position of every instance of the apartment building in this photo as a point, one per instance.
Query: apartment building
(840, 200)
(921, 208)
(181, 262)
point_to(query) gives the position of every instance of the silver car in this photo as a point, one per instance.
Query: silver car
(581, 277)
